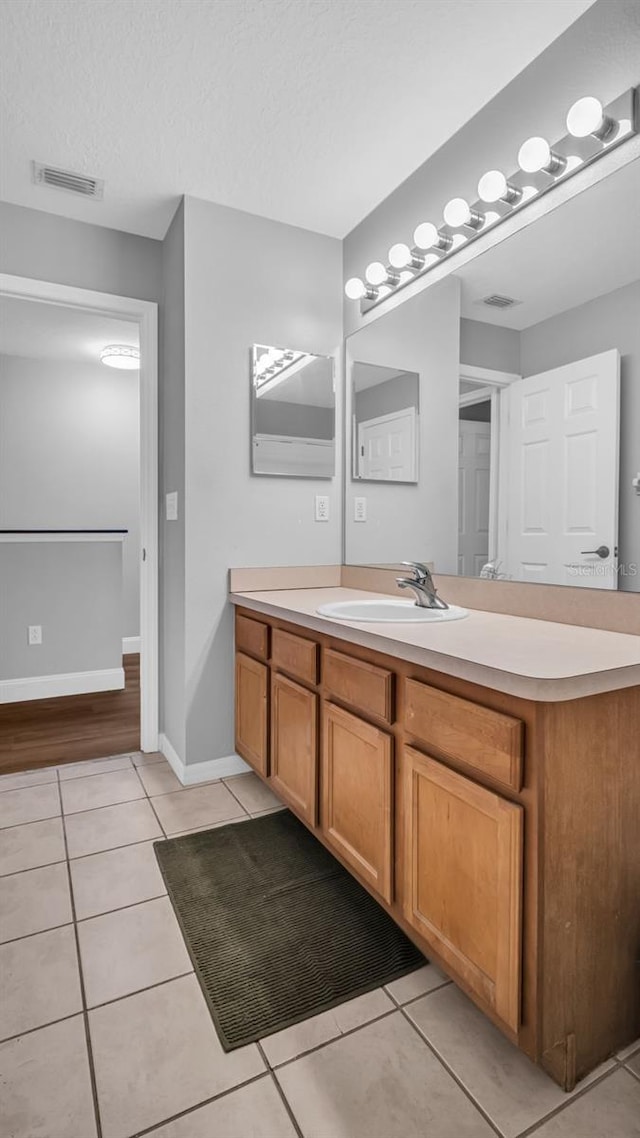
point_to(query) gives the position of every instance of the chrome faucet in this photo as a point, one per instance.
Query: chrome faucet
(422, 586)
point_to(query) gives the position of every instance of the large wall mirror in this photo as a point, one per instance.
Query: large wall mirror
(528, 366)
(293, 416)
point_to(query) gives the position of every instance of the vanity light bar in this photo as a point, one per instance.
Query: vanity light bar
(592, 130)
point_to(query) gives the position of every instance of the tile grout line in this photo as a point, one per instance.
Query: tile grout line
(279, 1090)
(456, 1078)
(574, 1096)
(152, 807)
(83, 994)
(150, 1130)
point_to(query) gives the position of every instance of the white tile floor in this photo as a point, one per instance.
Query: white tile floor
(104, 1032)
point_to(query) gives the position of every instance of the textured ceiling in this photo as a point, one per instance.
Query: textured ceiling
(306, 111)
(54, 332)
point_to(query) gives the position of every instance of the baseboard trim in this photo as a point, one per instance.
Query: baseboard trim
(67, 683)
(193, 773)
(130, 645)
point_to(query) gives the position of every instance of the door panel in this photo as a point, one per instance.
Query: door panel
(473, 496)
(562, 479)
(387, 447)
(357, 796)
(252, 684)
(463, 878)
(294, 746)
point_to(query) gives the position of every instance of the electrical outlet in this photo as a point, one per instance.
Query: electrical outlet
(35, 634)
(359, 509)
(322, 507)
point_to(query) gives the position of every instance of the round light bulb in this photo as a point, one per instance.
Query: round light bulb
(492, 186)
(355, 289)
(399, 256)
(426, 235)
(457, 212)
(376, 273)
(585, 117)
(265, 360)
(534, 155)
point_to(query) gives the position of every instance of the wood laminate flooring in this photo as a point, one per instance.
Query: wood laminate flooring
(47, 732)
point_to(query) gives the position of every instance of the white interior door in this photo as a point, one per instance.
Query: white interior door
(474, 472)
(387, 447)
(562, 477)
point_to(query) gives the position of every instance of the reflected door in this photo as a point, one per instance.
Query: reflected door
(473, 497)
(387, 447)
(562, 477)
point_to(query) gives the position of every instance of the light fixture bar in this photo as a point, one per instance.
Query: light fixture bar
(592, 130)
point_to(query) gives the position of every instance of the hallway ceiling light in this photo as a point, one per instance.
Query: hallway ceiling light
(592, 131)
(121, 356)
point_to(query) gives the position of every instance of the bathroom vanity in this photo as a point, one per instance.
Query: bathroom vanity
(482, 781)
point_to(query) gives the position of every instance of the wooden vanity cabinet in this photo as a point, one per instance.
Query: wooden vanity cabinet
(357, 796)
(463, 865)
(294, 746)
(501, 833)
(252, 695)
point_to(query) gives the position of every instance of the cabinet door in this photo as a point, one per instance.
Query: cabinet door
(252, 682)
(357, 796)
(294, 746)
(463, 878)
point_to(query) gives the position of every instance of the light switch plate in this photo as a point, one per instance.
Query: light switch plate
(359, 509)
(322, 507)
(171, 506)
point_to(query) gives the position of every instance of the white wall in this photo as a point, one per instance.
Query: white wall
(69, 456)
(414, 522)
(73, 591)
(248, 280)
(489, 345)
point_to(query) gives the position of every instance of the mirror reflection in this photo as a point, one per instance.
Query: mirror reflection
(292, 413)
(385, 423)
(539, 450)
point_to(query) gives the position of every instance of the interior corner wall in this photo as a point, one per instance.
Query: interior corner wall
(598, 54)
(490, 346)
(171, 408)
(247, 279)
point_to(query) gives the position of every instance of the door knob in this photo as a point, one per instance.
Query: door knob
(602, 551)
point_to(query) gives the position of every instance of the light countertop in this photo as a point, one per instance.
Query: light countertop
(534, 659)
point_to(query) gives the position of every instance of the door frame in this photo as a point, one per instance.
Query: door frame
(494, 385)
(145, 314)
(389, 418)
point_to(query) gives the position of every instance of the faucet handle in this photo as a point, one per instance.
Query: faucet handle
(420, 571)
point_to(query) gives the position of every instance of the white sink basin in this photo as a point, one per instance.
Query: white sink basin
(389, 612)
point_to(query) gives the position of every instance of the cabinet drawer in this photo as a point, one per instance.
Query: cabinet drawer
(487, 740)
(252, 636)
(295, 655)
(365, 686)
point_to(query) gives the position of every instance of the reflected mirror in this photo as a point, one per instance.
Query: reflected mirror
(528, 360)
(292, 413)
(385, 404)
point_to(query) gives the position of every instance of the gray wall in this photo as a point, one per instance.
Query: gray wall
(414, 522)
(488, 345)
(70, 456)
(290, 295)
(49, 248)
(597, 54)
(610, 321)
(384, 398)
(295, 419)
(72, 589)
(172, 548)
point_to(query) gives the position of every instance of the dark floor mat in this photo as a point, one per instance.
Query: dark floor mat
(277, 930)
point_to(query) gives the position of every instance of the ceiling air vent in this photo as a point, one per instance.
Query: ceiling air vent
(67, 180)
(498, 301)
